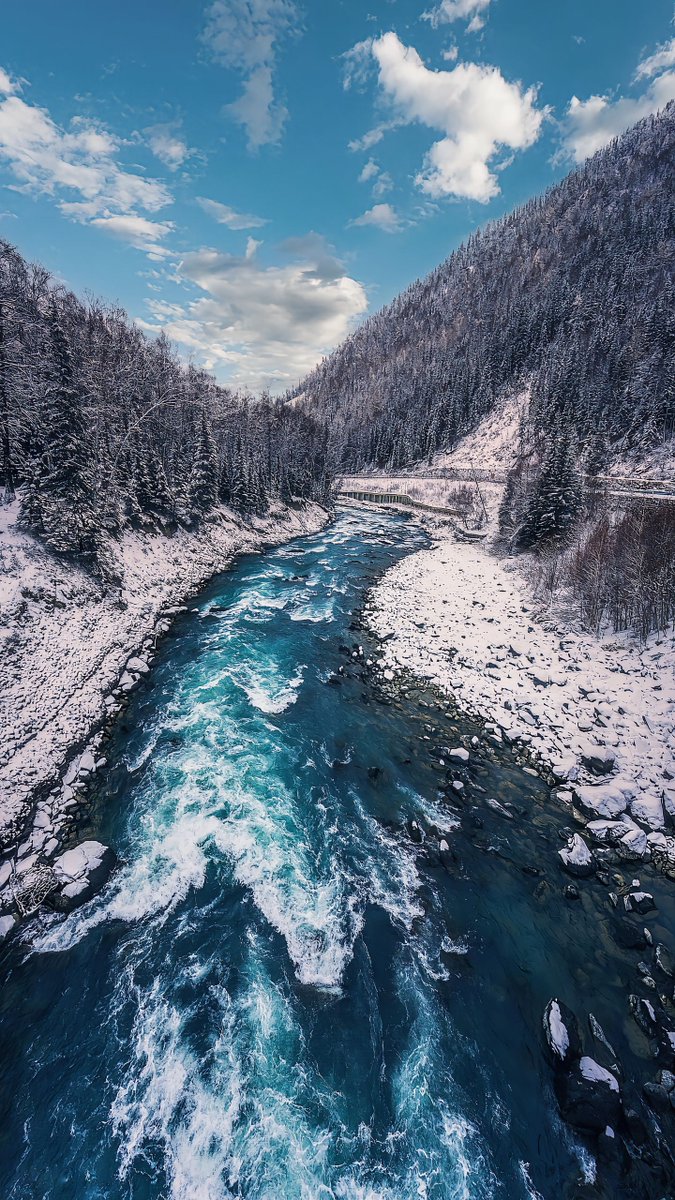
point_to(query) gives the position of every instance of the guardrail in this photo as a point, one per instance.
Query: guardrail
(398, 498)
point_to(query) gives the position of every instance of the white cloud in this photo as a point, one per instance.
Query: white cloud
(262, 326)
(458, 10)
(78, 166)
(590, 124)
(382, 216)
(138, 232)
(381, 180)
(245, 36)
(7, 84)
(167, 145)
(370, 171)
(225, 215)
(660, 60)
(451, 54)
(475, 108)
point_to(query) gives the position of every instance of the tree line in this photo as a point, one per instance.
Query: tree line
(102, 428)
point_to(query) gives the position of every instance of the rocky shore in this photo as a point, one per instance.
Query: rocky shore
(595, 716)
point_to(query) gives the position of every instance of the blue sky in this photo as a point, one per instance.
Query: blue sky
(257, 175)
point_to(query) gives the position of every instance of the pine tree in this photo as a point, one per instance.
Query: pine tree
(204, 477)
(63, 475)
(556, 501)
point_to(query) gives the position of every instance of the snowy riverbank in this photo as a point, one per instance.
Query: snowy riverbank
(599, 713)
(69, 649)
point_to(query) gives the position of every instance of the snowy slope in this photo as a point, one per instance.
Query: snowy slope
(65, 641)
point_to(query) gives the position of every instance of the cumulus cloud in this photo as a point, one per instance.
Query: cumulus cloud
(79, 167)
(476, 109)
(167, 144)
(590, 124)
(459, 10)
(245, 35)
(382, 216)
(262, 326)
(225, 215)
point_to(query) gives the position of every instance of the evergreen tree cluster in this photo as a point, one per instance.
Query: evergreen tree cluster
(102, 428)
(572, 295)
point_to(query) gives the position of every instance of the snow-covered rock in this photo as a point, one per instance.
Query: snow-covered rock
(648, 810)
(460, 754)
(561, 1032)
(604, 800)
(577, 858)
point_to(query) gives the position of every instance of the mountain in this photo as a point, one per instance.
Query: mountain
(572, 296)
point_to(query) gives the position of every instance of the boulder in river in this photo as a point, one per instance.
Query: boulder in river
(576, 858)
(81, 870)
(562, 1034)
(589, 1097)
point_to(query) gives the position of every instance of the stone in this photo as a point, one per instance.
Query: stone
(603, 800)
(664, 960)
(628, 935)
(589, 1097)
(561, 1032)
(648, 810)
(633, 846)
(138, 666)
(640, 902)
(7, 923)
(657, 1097)
(460, 754)
(87, 763)
(600, 760)
(576, 858)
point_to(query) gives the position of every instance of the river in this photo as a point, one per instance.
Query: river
(279, 995)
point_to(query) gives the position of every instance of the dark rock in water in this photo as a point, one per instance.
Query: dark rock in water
(664, 960)
(527, 869)
(635, 1127)
(644, 1015)
(571, 892)
(561, 1031)
(374, 773)
(589, 1097)
(657, 1097)
(447, 855)
(667, 1080)
(628, 935)
(640, 902)
(415, 832)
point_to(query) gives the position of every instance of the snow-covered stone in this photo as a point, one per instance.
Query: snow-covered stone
(577, 858)
(7, 923)
(460, 754)
(137, 666)
(648, 810)
(81, 861)
(604, 800)
(594, 1073)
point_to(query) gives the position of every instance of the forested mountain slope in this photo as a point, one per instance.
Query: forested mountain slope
(573, 294)
(104, 430)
